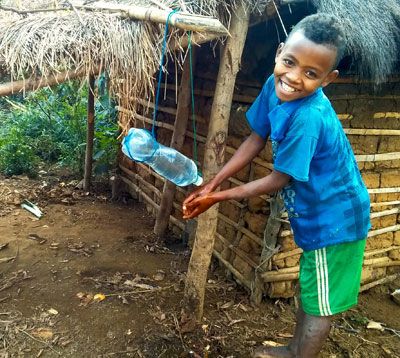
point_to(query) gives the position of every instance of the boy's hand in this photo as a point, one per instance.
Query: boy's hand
(201, 191)
(198, 205)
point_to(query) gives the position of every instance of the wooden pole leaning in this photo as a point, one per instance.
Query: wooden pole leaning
(192, 310)
(89, 135)
(178, 137)
(33, 84)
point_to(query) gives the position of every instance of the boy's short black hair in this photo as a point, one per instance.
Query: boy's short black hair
(323, 29)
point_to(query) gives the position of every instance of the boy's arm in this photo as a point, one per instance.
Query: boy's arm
(247, 151)
(269, 184)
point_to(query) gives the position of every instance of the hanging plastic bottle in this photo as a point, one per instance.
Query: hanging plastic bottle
(139, 145)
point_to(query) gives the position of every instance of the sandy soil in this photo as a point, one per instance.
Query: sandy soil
(51, 270)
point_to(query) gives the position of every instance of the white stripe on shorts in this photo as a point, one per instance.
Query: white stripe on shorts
(322, 282)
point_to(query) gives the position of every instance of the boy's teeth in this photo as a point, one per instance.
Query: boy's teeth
(287, 88)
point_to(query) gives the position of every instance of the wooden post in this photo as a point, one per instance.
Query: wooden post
(213, 162)
(89, 135)
(178, 137)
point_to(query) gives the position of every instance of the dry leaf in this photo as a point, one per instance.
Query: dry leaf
(85, 298)
(396, 296)
(244, 308)
(285, 335)
(53, 311)
(80, 295)
(99, 297)
(144, 286)
(43, 333)
(227, 305)
(375, 325)
(159, 276)
(231, 323)
(272, 344)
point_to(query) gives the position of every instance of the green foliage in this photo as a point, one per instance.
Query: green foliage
(17, 156)
(49, 126)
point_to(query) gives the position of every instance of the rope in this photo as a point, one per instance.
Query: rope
(193, 111)
(164, 46)
(163, 51)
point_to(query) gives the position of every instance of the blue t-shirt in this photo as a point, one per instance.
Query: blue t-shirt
(326, 199)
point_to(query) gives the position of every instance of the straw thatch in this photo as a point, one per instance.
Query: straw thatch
(373, 33)
(40, 38)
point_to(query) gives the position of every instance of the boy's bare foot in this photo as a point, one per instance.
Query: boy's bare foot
(273, 352)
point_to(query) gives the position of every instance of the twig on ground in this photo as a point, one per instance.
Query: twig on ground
(142, 291)
(38, 340)
(179, 330)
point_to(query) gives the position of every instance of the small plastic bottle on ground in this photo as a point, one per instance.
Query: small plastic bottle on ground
(139, 145)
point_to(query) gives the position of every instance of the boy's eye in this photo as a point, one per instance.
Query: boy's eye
(288, 62)
(311, 74)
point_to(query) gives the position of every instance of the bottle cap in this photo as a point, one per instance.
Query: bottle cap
(198, 181)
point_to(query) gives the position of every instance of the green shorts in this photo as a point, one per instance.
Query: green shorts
(330, 278)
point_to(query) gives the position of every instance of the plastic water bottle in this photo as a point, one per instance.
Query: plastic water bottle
(139, 145)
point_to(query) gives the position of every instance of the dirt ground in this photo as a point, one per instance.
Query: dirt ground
(89, 279)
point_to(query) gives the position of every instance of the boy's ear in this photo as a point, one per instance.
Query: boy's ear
(331, 77)
(279, 49)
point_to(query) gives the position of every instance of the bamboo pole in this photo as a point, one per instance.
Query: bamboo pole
(282, 274)
(136, 189)
(377, 157)
(384, 190)
(33, 84)
(298, 251)
(197, 39)
(361, 131)
(379, 214)
(178, 137)
(181, 20)
(236, 250)
(213, 162)
(379, 282)
(385, 203)
(235, 272)
(384, 230)
(89, 135)
(380, 251)
(242, 229)
(141, 180)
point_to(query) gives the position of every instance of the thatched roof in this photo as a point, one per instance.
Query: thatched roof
(66, 36)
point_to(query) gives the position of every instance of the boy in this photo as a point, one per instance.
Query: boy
(315, 169)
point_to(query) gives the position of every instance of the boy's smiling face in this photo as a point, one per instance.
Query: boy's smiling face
(302, 66)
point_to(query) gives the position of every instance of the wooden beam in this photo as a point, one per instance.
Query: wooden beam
(379, 282)
(33, 84)
(181, 20)
(89, 135)
(361, 131)
(213, 162)
(178, 137)
(377, 157)
(137, 190)
(197, 40)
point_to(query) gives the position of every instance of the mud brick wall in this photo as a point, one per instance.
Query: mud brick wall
(372, 123)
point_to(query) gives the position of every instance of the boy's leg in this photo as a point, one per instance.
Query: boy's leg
(329, 282)
(309, 337)
(284, 351)
(314, 332)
